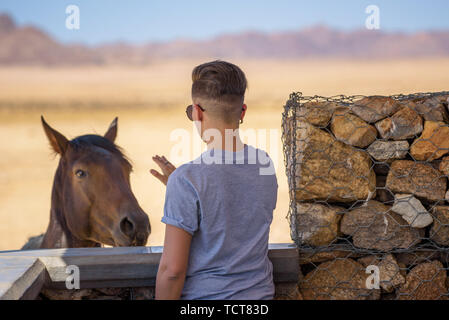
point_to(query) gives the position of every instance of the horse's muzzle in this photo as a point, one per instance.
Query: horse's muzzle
(133, 233)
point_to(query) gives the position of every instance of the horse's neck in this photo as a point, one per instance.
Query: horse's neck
(55, 236)
(58, 234)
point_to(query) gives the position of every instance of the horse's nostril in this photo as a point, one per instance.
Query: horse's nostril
(127, 227)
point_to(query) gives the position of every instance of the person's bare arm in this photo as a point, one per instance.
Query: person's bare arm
(173, 265)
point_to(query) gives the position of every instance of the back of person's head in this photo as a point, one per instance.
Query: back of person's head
(220, 86)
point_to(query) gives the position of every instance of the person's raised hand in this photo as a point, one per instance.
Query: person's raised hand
(166, 167)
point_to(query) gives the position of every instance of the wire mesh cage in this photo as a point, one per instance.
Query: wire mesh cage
(369, 207)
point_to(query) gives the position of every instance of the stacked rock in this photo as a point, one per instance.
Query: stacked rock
(368, 181)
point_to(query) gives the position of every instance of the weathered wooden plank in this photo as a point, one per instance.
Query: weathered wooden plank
(131, 266)
(21, 278)
(35, 287)
(72, 252)
(285, 260)
(117, 269)
(99, 267)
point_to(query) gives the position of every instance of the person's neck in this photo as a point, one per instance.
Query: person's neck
(230, 140)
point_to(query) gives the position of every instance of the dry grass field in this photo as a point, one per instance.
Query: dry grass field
(150, 103)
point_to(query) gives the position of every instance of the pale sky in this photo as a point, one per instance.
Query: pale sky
(139, 21)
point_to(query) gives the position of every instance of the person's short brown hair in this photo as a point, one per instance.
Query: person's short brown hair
(222, 85)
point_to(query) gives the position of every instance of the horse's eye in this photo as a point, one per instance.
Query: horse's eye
(80, 173)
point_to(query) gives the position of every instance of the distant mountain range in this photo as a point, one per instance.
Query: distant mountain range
(32, 46)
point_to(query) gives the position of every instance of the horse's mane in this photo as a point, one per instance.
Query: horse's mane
(93, 140)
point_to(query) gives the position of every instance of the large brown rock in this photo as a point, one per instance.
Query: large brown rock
(388, 150)
(318, 113)
(328, 169)
(375, 108)
(317, 224)
(343, 279)
(352, 130)
(413, 258)
(419, 179)
(375, 226)
(430, 108)
(433, 143)
(426, 281)
(404, 124)
(389, 270)
(440, 228)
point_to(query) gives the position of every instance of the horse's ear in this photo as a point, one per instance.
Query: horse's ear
(111, 134)
(58, 142)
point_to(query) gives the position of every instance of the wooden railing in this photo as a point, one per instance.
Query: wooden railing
(23, 274)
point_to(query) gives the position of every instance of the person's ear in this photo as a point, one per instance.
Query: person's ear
(242, 115)
(111, 134)
(197, 114)
(57, 141)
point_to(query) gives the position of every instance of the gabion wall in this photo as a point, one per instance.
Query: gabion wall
(369, 207)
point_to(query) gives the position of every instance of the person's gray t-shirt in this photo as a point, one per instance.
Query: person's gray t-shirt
(225, 200)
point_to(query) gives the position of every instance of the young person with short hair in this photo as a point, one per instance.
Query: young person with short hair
(219, 207)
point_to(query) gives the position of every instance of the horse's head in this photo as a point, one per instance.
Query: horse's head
(93, 191)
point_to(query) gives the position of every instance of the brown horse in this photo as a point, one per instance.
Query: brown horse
(92, 202)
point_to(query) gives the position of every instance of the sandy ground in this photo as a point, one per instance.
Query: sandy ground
(150, 103)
